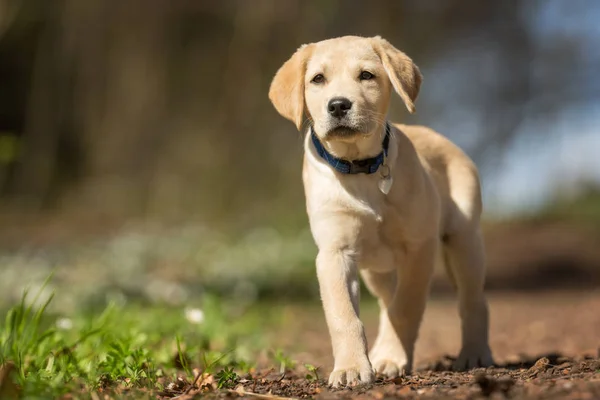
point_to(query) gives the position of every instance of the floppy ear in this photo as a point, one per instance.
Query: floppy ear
(287, 88)
(403, 73)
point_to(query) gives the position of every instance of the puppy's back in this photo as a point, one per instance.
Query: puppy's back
(454, 173)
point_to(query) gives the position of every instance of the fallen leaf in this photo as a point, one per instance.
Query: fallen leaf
(8, 389)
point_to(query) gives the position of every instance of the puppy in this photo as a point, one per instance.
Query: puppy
(386, 201)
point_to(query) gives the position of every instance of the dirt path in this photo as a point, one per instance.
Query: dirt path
(546, 346)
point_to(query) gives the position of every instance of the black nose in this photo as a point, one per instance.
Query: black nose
(338, 107)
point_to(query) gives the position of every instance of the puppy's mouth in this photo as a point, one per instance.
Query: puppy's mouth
(342, 132)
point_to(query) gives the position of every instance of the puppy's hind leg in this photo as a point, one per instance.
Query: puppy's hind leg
(465, 259)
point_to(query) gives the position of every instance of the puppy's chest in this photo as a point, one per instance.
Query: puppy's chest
(380, 241)
(355, 195)
(362, 218)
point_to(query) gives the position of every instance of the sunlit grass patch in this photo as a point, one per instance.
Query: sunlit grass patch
(127, 348)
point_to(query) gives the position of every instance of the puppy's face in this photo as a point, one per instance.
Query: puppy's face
(347, 90)
(343, 85)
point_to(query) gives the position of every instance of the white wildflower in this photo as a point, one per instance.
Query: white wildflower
(64, 324)
(194, 315)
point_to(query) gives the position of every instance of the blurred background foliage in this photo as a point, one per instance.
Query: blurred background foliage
(140, 156)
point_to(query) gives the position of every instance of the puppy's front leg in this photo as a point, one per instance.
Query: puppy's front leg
(340, 292)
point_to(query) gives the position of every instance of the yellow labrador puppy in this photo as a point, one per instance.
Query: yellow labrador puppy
(383, 200)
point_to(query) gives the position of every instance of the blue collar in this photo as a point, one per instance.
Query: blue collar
(365, 166)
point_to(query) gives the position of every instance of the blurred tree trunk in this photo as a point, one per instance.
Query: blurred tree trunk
(513, 90)
(8, 13)
(246, 52)
(121, 91)
(45, 112)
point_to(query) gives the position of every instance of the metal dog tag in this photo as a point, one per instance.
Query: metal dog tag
(385, 183)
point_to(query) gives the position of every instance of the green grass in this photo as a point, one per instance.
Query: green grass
(128, 350)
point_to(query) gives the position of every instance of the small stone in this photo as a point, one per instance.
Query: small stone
(542, 363)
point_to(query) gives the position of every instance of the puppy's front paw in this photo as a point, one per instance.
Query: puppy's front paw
(389, 368)
(473, 357)
(352, 376)
(388, 358)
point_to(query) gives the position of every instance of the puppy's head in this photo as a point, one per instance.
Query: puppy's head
(344, 85)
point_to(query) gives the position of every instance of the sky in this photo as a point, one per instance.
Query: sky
(534, 170)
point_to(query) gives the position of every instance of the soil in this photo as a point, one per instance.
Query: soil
(546, 346)
(553, 377)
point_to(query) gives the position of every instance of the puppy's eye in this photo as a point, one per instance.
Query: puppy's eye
(319, 78)
(366, 75)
